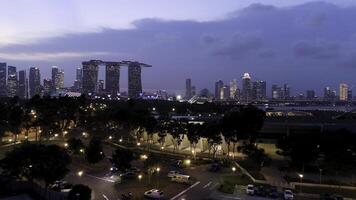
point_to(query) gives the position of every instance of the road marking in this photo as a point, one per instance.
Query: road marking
(105, 197)
(214, 186)
(207, 185)
(184, 191)
(103, 179)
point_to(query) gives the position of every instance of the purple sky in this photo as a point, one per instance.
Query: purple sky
(307, 44)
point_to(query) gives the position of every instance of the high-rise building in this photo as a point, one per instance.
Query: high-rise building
(100, 88)
(22, 85)
(310, 94)
(259, 90)
(188, 88)
(343, 92)
(90, 76)
(246, 87)
(79, 74)
(277, 92)
(47, 87)
(286, 92)
(233, 89)
(55, 71)
(349, 95)
(11, 81)
(218, 86)
(3, 79)
(34, 81)
(194, 92)
(77, 86)
(329, 95)
(135, 82)
(59, 80)
(112, 78)
(225, 92)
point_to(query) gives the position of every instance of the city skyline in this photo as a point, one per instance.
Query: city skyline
(222, 45)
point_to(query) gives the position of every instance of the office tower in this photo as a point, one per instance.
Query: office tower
(112, 78)
(246, 87)
(188, 88)
(79, 74)
(100, 85)
(310, 94)
(55, 71)
(90, 76)
(47, 87)
(34, 81)
(193, 91)
(276, 92)
(59, 80)
(225, 92)
(135, 83)
(327, 93)
(259, 90)
(11, 81)
(286, 92)
(2, 79)
(77, 86)
(349, 95)
(233, 89)
(343, 92)
(22, 85)
(218, 85)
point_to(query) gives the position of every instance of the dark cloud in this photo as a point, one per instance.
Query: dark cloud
(275, 44)
(318, 49)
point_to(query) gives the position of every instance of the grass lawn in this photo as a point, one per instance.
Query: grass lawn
(321, 190)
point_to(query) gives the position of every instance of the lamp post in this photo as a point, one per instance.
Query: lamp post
(158, 169)
(320, 172)
(301, 181)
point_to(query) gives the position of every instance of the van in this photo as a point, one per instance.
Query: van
(180, 178)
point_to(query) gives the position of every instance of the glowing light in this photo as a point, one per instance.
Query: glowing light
(233, 169)
(80, 173)
(110, 137)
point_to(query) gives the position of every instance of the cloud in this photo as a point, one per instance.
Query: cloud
(49, 56)
(318, 49)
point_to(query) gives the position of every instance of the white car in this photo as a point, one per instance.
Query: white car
(114, 178)
(61, 186)
(171, 174)
(250, 189)
(288, 194)
(154, 194)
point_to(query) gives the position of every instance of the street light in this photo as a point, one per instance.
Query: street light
(81, 150)
(80, 173)
(110, 137)
(320, 170)
(56, 135)
(301, 181)
(139, 177)
(187, 162)
(233, 169)
(66, 145)
(138, 144)
(120, 140)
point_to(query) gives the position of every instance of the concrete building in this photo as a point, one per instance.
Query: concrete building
(47, 87)
(246, 88)
(188, 88)
(3, 79)
(34, 81)
(343, 92)
(233, 89)
(112, 78)
(218, 86)
(90, 76)
(12, 85)
(259, 90)
(22, 85)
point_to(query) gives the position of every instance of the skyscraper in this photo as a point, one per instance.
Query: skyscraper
(343, 92)
(225, 93)
(34, 81)
(90, 76)
(218, 86)
(11, 81)
(259, 90)
(286, 92)
(349, 95)
(310, 95)
(3, 79)
(276, 92)
(47, 87)
(233, 89)
(100, 86)
(112, 78)
(55, 71)
(188, 88)
(79, 74)
(22, 85)
(135, 83)
(246, 88)
(59, 80)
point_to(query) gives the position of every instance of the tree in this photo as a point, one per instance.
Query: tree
(75, 145)
(212, 132)
(79, 192)
(94, 152)
(122, 158)
(193, 134)
(36, 161)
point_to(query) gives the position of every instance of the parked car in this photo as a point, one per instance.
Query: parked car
(250, 189)
(288, 194)
(128, 175)
(134, 170)
(114, 169)
(261, 191)
(153, 194)
(112, 177)
(61, 186)
(215, 167)
(172, 173)
(273, 192)
(181, 178)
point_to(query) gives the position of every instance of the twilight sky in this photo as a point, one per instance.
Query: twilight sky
(305, 43)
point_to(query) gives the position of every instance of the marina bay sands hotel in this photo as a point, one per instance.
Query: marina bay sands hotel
(112, 77)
